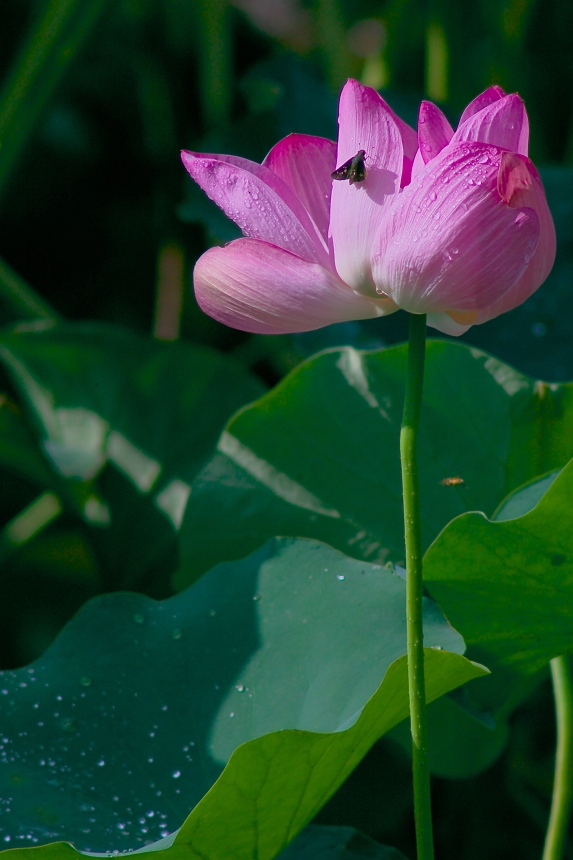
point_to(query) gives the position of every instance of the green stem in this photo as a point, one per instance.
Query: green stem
(215, 73)
(563, 783)
(415, 633)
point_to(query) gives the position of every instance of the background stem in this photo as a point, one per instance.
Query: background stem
(412, 530)
(563, 783)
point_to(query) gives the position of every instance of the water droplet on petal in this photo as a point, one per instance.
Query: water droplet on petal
(432, 195)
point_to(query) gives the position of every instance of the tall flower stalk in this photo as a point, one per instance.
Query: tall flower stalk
(414, 625)
(563, 782)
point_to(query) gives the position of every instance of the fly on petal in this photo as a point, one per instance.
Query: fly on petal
(354, 169)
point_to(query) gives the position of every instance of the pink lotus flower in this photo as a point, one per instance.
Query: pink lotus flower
(452, 224)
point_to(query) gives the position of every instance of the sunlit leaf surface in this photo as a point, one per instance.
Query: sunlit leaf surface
(318, 455)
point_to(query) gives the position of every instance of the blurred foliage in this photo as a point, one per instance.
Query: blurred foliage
(96, 98)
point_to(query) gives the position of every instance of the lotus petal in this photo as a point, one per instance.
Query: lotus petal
(503, 123)
(356, 210)
(259, 202)
(449, 242)
(434, 131)
(305, 164)
(532, 195)
(258, 287)
(488, 97)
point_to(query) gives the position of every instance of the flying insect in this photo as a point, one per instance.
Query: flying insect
(452, 482)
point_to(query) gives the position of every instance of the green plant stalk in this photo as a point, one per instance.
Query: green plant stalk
(37, 71)
(332, 42)
(563, 781)
(414, 591)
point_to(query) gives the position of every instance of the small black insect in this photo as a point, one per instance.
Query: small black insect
(353, 169)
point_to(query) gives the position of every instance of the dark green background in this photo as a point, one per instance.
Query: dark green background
(96, 189)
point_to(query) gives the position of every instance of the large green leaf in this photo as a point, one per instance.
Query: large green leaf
(508, 585)
(274, 785)
(465, 741)
(98, 395)
(318, 455)
(130, 716)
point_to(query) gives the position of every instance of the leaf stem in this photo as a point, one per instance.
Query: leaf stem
(21, 298)
(415, 635)
(563, 782)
